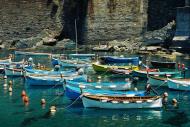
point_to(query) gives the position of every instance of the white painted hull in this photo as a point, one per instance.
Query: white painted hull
(179, 85)
(156, 82)
(14, 72)
(89, 103)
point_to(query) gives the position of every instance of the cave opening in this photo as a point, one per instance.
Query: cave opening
(161, 12)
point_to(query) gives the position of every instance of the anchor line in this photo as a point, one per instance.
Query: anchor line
(72, 102)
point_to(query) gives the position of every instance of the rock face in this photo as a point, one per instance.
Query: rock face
(24, 18)
(115, 19)
(97, 21)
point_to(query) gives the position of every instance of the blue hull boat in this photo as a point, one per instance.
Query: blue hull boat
(70, 63)
(73, 92)
(126, 60)
(45, 72)
(36, 80)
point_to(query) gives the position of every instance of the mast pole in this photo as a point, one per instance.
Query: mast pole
(76, 41)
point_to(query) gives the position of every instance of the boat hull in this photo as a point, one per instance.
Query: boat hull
(90, 103)
(157, 81)
(179, 85)
(107, 68)
(14, 72)
(144, 74)
(74, 92)
(129, 60)
(169, 65)
(52, 81)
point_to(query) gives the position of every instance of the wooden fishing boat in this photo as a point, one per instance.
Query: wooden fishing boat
(124, 72)
(120, 86)
(114, 59)
(4, 61)
(46, 72)
(31, 53)
(160, 64)
(179, 84)
(14, 71)
(10, 64)
(73, 92)
(157, 80)
(107, 68)
(145, 73)
(70, 63)
(45, 80)
(120, 102)
(81, 56)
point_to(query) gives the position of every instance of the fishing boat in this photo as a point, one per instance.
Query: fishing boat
(73, 92)
(125, 85)
(106, 68)
(47, 80)
(31, 53)
(179, 84)
(120, 102)
(156, 80)
(114, 59)
(14, 71)
(3, 61)
(120, 71)
(29, 71)
(160, 64)
(81, 56)
(145, 73)
(70, 63)
(10, 64)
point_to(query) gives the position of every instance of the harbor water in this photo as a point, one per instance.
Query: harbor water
(14, 113)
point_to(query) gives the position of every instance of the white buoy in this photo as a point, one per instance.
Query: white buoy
(10, 89)
(52, 109)
(135, 89)
(165, 94)
(5, 84)
(43, 101)
(99, 77)
(5, 77)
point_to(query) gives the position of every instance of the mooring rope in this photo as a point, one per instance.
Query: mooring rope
(161, 85)
(72, 102)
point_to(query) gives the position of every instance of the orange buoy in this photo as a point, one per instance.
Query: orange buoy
(25, 99)
(23, 93)
(89, 80)
(43, 101)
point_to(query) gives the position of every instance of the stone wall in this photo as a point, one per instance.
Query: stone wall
(115, 19)
(24, 18)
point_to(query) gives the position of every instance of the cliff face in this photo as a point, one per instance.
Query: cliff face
(24, 18)
(97, 20)
(115, 19)
(107, 20)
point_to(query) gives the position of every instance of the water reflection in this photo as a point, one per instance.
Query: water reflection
(117, 115)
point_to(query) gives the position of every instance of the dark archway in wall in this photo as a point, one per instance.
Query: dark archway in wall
(74, 9)
(160, 12)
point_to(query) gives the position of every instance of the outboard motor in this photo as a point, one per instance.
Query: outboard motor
(81, 71)
(56, 68)
(30, 62)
